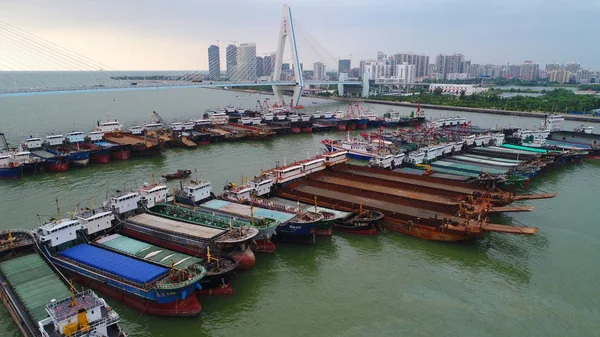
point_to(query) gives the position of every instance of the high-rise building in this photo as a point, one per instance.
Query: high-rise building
(214, 62)
(259, 67)
(375, 68)
(381, 56)
(246, 62)
(354, 73)
(446, 64)
(572, 67)
(552, 66)
(285, 66)
(405, 73)
(529, 71)
(421, 62)
(514, 71)
(343, 66)
(267, 65)
(319, 71)
(231, 57)
(560, 76)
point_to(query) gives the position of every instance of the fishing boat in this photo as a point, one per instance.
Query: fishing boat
(41, 301)
(366, 222)
(178, 175)
(356, 148)
(387, 161)
(145, 286)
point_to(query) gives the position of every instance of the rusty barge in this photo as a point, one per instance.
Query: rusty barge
(425, 207)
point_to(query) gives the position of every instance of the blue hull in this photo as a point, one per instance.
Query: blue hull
(376, 124)
(297, 229)
(10, 172)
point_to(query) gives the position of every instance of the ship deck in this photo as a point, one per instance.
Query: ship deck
(282, 217)
(123, 266)
(34, 282)
(177, 227)
(127, 139)
(339, 215)
(146, 251)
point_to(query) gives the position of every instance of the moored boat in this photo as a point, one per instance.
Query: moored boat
(366, 222)
(145, 286)
(178, 175)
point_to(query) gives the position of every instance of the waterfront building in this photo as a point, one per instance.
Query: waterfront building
(319, 71)
(456, 89)
(231, 59)
(343, 66)
(246, 62)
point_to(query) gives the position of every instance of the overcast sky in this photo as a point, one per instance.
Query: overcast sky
(175, 34)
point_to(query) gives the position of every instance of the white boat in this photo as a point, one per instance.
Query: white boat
(447, 149)
(469, 140)
(188, 126)
(293, 117)
(241, 110)
(585, 129)
(153, 126)
(96, 136)
(109, 126)
(457, 146)
(203, 122)
(229, 109)
(498, 138)
(304, 117)
(256, 120)
(219, 118)
(384, 161)
(317, 114)
(55, 140)
(328, 114)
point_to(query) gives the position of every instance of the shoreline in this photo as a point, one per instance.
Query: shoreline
(533, 114)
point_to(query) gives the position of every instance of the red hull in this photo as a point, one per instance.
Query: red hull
(264, 246)
(296, 130)
(100, 158)
(362, 126)
(188, 307)
(341, 127)
(60, 167)
(246, 259)
(352, 126)
(121, 154)
(306, 130)
(370, 231)
(227, 290)
(323, 232)
(595, 157)
(204, 143)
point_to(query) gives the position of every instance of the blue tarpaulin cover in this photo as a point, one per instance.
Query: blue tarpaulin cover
(126, 267)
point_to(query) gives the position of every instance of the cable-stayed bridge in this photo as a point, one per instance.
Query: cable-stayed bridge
(32, 65)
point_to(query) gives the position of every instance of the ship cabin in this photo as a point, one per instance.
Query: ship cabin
(382, 161)
(261, 186)
(416, 157)
(96, 136)
(228, 109)
(59, 231)
(246, 121)
(82, 314)
(218, 119)
(94, 221)
(55, 140)
(125, 202)
(314, 165)
(22, 156)
(177, 126)
(470, 139)
(430, 153)
(202, 122)
(288, 173)
(399, 159)
(153, 126)
(136, 130)
(153, 194)
(75, 137)
(110, 126)
(334, 158)
(188, 126)
(328, 114)
(33, 143)
(4, 160)
(242, 193)
(198, 191)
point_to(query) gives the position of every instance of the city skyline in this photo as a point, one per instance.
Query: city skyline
(497, 33)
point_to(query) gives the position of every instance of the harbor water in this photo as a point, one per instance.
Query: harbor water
(346, 285)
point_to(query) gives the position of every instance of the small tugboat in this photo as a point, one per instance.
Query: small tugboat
(366, 223)
(178, 175)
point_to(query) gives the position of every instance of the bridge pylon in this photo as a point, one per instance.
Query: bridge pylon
(287, 35)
